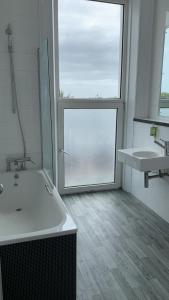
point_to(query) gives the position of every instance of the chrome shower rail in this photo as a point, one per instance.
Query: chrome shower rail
(15, 107)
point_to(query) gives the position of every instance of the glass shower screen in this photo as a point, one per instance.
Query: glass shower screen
(45, 105)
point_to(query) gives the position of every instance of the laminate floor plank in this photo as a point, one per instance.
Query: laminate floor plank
(122, 248)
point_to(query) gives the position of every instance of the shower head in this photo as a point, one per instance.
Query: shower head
(8, 30)
(9, 33)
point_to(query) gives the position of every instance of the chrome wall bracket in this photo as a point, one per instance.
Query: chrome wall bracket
(148, 177)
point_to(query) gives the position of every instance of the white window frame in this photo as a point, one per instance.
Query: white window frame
(106, 103)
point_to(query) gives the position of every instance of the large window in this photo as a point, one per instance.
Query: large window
(90, 49)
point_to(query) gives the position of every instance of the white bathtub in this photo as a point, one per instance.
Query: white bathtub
(28, 211)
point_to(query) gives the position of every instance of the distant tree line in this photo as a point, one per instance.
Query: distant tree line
(164, 95)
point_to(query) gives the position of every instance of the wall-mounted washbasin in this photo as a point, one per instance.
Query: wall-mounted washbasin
(144, 159)
(145, 154)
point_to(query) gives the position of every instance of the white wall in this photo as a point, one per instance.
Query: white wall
(24, 18)
(144, 62)
(133, 39)
(144, 96)
(156, 196)
(139, 69)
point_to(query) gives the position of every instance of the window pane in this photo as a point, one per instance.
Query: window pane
(164, 112)
(89, 142)
(165, 72)
(90, 47)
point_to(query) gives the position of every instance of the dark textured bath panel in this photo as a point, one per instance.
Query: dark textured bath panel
(40, 270)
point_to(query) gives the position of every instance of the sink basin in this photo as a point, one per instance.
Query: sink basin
(145, 154)
(144, 159)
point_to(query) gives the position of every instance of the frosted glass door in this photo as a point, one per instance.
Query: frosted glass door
(89, 146)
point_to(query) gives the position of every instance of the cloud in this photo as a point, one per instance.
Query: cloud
(89, 47)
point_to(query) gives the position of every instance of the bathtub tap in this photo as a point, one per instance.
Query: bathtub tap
(18, 163)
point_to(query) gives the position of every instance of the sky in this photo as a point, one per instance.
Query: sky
(89, 48)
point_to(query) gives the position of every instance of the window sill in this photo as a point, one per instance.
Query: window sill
(152, 121)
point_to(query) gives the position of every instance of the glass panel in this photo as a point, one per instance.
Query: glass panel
(89, 141)
(164, 112)
(45, 103)
(164, 98)
(90, 47)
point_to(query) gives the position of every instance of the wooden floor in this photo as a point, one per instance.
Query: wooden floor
(123, 248)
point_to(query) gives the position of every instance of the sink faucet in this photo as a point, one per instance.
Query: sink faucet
(165, 146)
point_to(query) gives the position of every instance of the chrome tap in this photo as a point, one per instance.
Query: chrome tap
(165, 146)
(19, 164)
(1, 188)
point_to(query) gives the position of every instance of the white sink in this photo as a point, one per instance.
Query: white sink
(144, 159)
(145, 154)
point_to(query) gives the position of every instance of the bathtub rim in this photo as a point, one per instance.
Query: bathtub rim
(66, 227)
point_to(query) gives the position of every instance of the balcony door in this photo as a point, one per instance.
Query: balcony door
(90, 106)
(88, 141)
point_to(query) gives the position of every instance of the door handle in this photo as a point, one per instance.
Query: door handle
(62, 151)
